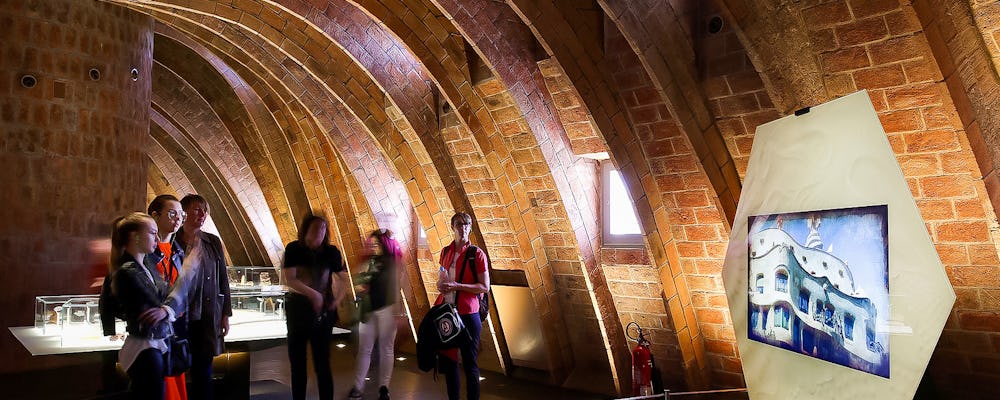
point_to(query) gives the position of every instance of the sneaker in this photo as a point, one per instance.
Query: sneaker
(383, 393)
(355, 394)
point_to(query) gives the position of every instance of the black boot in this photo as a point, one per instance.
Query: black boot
(383, 393)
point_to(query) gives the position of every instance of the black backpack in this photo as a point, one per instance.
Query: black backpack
(484, 298)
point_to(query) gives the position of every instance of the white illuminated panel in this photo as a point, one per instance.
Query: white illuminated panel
(836, 156)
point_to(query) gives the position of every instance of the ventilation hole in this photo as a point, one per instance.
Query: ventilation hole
(28, 81)
(715, 25)
(95, 74)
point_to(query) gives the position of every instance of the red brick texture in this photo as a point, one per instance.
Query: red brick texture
(960, 35)
(72, 149)
(925, 68)
(399, 113)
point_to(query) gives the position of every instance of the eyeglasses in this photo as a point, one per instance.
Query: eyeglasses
(174, 214)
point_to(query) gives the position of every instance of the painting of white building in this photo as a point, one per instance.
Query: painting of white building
(819, 285)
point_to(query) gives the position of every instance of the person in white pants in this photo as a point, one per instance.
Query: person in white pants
(381, 285)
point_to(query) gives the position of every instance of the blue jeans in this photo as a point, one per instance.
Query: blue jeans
(470, 362)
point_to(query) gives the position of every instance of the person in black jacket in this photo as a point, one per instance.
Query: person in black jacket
(210, 306)
(308, 269)
(380, 283)
(145, 302)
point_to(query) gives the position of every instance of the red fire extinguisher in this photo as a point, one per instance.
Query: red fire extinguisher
(642, 364)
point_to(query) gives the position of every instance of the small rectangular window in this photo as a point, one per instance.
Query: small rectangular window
(421, 235)
(620, 226)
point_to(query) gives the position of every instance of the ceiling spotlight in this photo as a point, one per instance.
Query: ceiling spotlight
(341, 345)
(400, 358)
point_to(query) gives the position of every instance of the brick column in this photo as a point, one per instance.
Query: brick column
(72, 147)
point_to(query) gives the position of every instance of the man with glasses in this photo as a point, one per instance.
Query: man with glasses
(209, 305)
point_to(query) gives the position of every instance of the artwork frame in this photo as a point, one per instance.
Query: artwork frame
(818, 284)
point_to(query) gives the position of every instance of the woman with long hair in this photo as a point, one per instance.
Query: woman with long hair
(311, 303)
(146, 302)
(380, 284)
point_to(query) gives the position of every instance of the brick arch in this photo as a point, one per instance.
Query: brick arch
(782, 48)
(169, 177)
(158, 183)
(208, 182)
(432, 268)
(222, 130)
(348, 80)
(260, 139)
(304, 154)
(507, 48)
(684, 228)
(488, 112)
(329, 111)
(669, 60)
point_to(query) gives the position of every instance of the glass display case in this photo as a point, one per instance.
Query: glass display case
(254, 278)
(70, 318)
(257, 305)
(72, 323)
(55, 312)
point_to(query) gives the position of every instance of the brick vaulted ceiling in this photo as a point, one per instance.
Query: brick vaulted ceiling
(398, 113)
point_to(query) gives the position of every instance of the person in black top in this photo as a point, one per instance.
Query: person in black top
(380, 283)
(146, 302)
(310, 306)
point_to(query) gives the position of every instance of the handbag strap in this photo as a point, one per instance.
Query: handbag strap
(469, 256)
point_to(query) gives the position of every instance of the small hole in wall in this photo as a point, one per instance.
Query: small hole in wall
(135, 74)
(95, 74)
(715, 25)
(28, 81)
(446, 108)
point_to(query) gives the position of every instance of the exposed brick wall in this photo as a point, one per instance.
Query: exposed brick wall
(583, 136)
(261, 141)
(737, 96)
(189, 124)
(960, 365)
(60, 138)
(698, 227)
(338, 107)
(635, 285)
(985, 13)
(663, 36)
(483, 23)
(882, 47)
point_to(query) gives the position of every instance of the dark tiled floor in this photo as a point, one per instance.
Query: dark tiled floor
(270, 377)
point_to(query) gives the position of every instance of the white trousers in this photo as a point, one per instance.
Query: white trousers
(381, 324)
